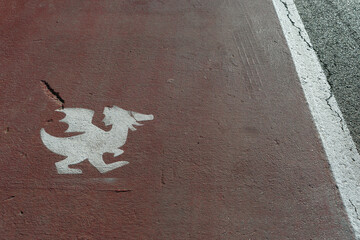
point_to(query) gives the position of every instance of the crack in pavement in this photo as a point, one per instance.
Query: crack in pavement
(357, 214)
(336, 112)
(324, 65)
(55, 95)
(293, 23)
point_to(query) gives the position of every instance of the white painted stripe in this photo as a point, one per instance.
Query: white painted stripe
(338, 144)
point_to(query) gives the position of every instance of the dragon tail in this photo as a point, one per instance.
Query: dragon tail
(54, 144)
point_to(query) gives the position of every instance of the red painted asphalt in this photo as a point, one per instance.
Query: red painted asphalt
(231, 154)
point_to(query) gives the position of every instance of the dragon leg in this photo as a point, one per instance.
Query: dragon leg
(63, 167)
(102, 167)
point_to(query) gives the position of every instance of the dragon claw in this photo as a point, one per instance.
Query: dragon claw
(118, 152)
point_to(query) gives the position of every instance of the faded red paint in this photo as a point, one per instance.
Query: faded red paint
(231, 154)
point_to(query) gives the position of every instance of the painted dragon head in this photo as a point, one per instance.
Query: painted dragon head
(116, 115)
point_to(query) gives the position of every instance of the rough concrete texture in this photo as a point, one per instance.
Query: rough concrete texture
(334, 30)
(232, 152)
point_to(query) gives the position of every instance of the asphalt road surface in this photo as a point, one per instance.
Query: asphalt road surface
(334, 30)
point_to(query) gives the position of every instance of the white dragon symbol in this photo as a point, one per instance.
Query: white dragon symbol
(93, 142)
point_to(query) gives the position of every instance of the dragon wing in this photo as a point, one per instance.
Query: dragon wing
(78, 119)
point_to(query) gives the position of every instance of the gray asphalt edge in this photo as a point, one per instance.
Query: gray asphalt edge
(334, 29)
(333, 131)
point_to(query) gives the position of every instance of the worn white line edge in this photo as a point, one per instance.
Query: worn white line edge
(334, 133)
